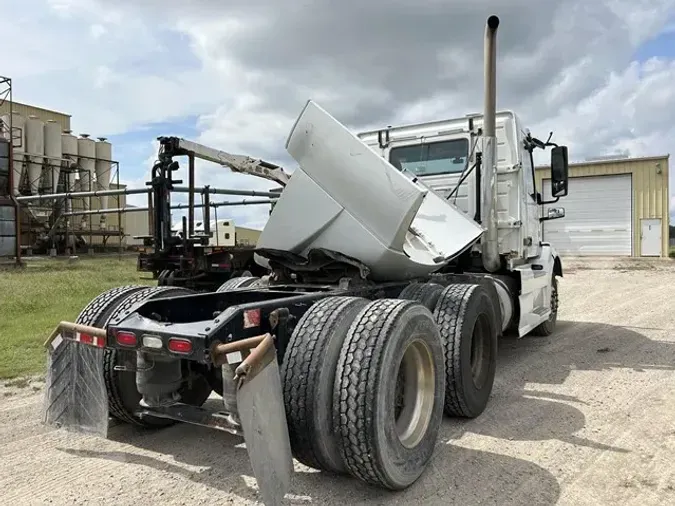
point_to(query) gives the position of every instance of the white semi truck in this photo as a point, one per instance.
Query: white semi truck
(396, 259)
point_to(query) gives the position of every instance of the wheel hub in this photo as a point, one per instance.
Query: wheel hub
(480, 350)
(414, 395)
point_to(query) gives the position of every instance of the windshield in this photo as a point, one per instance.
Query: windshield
(444, 157)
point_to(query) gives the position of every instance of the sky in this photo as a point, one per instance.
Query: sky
(235, 74)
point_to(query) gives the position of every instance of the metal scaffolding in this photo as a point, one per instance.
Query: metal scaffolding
(6, 97)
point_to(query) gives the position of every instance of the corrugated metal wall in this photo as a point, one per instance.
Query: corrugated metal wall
(247, 236)
(43, 114)
(650, 189)
(135, 224)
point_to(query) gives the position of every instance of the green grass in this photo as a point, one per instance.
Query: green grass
(34, 300)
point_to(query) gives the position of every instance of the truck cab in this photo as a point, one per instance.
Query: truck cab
(441, 155)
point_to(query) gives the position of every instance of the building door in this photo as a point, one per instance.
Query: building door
(598, 216)
(650, 238)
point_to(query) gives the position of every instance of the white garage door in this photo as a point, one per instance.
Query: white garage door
(598, 216)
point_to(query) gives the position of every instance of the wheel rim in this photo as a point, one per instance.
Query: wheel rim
(415, 386)
(480, 351)
(554, 302)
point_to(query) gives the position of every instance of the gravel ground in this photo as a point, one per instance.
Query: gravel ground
(586, 416)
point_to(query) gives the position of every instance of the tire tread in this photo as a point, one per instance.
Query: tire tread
(449, 315)
(356, 384)
(301, 369)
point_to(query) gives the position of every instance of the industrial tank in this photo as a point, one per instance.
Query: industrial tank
(103, 169)
(19, 143)
(86, 152)
(53, 151)
(69, 151)
(35, 149)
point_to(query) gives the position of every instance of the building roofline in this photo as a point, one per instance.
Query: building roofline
(14, 102)
(613, 160)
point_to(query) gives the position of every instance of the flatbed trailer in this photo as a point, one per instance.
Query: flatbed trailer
(202, 268)
(191, 260)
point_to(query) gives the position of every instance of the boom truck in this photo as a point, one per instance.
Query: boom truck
(386, 297)
(189, 259)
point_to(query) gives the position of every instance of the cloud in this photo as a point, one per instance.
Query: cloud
(245, 68)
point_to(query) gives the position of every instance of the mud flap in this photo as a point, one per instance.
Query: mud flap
(263, 419)
(75, 395)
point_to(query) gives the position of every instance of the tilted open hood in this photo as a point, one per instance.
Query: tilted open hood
(345, 197)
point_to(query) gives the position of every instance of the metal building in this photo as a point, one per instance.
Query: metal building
(7, 211)
(136, 224)
(247, 236)
(48, 158)
(615, 207)
(26, 110)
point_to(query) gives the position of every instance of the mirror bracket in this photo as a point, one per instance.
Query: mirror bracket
(543, 202)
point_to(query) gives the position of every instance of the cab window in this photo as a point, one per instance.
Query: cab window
(434, 158)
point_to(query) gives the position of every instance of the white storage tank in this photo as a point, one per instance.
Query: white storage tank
(86, 152)
(69, 151)
(19, 145)
(53, 152)
(35, 149)
(103, 170)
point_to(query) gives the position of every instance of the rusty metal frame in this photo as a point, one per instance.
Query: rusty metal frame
(6, 96)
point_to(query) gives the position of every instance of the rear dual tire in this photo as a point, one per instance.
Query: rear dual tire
(123, 395)
(363, 388)
(467, 321)
(426, 294)
(308, 376)
(239, 283)
(389, 390)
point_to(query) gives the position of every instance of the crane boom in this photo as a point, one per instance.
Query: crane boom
(242, 164)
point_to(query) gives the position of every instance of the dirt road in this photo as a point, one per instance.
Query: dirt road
(584, 417)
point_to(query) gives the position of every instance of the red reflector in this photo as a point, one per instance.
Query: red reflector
(86, 339)
(126, 338)
(180, 345)
(251, 318)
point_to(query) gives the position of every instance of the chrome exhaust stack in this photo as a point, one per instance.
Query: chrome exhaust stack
(490, 248)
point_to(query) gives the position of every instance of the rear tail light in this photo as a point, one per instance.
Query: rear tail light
(126, 339)
(177, 345)
(83, 338)
(86, 338)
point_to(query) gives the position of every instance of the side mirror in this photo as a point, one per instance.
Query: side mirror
(559, 171)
